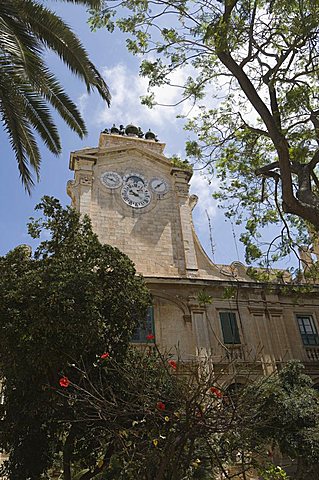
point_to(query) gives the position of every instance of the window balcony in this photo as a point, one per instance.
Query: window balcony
(312, 354)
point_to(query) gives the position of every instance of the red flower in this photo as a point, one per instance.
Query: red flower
(160, 406)
(64, 382)
(173, 364)
(216, 392)
(150, 336)
(105, 355)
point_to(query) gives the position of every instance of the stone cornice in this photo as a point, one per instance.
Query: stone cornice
(222, 282)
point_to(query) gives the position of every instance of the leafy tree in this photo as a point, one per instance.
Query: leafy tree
(254, 68)
(70, 302)
(27, 86)
(155, 418)
(288, 407)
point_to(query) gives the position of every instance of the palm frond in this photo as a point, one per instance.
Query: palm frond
(51, 89)
(40, 118)
(87, 3)
(56, 35)
(27, 87)
(15, 37)
(20, 135)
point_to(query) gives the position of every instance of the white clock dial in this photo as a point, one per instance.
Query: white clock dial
(136, 194)
(111, 179)
(159, 185)
(135, 179)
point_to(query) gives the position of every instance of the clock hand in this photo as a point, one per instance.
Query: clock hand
(134, 193)
(158, 185)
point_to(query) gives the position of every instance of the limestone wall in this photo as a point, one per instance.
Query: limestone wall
(267, 322)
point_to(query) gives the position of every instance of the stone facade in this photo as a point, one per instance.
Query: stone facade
(192, 295)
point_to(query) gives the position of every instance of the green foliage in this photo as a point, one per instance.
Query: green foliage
(154, 418)
(154, 421)
(204, 298)
(230, 292)
(179, 163)
(273, 473)
(291, 407)
(28, 88)
(101, 20)
(70, 302)
(254, 71)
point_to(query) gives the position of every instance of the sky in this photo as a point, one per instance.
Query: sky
(120, 70)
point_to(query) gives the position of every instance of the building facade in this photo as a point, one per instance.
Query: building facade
(139, 202)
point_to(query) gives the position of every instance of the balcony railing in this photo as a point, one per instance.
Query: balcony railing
(312, 354)
(235, 352)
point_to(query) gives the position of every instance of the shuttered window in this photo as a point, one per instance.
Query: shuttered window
(308, 331)
(146, 328)
(229, 326)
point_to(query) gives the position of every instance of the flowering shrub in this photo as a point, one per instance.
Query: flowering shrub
(160, 406)
(105, 355)
(61, 304)
(64, 382)
(216, 392)
(185, 434)
(173, 364)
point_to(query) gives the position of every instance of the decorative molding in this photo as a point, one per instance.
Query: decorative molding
(187, 318)
(192, 201)
(182, 189)
(275, 311)
(260, 310)
(256, 310)
(85, 179)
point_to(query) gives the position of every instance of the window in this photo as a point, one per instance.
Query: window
(146, 328)
(229, 326)
(307, 330)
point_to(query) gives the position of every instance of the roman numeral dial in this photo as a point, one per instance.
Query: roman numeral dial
(135, 192)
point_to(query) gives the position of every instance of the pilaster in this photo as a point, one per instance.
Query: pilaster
(83, 183)
(185, 208)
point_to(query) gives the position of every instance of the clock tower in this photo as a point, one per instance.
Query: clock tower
(138, 201)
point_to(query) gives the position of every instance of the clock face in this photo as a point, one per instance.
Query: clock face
(111, 179)
(135, 192)
(159, 185)
(134, 179)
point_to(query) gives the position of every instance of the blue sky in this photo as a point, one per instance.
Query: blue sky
(120, 69)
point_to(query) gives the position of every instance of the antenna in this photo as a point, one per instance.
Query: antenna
(212, 244)
(235, 240)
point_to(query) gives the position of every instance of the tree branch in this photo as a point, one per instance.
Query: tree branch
(98, 469)
(67, 453)
(314, 161)
(267, 168)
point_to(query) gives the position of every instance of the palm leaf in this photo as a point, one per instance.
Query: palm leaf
(35, 108)
(88, 3)
(51, 89)
(18, 129)
(50, 29)
(28, 88)
(40, 118)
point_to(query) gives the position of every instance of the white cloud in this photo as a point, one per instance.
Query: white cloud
(82, 103)
(127, 87)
